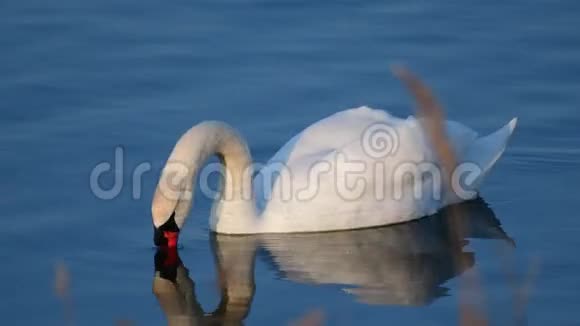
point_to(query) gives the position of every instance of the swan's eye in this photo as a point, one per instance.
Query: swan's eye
(167, 234)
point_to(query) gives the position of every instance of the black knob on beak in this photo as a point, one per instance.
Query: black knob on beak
(167, 234)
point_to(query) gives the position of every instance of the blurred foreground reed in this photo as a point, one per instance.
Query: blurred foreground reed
(432, 118)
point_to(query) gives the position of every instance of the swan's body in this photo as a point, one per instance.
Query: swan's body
(315, 181)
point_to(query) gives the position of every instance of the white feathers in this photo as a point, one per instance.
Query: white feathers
(357, 168)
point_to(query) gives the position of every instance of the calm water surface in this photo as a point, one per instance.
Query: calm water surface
(81, 78)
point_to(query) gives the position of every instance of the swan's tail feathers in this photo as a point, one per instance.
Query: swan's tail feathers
(485, 151)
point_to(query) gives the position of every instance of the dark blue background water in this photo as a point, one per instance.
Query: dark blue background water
(79, 78)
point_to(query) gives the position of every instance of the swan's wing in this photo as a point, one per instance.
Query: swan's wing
(340, 143)
(485, 151)
(460, 136)
(343, 129)
(473, 153)
(297, 187)
(320, 139)
(330, 134)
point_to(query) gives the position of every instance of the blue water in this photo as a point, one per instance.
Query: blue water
(82, 78)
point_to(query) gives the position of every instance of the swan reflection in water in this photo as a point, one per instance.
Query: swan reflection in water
(404, 264)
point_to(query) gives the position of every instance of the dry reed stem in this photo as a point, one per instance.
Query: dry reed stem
(313, 318)
(62, 290)
(522, 290)
(432, 119)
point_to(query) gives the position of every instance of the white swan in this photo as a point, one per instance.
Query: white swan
(353, 169)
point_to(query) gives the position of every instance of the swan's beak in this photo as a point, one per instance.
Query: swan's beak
(167, 234)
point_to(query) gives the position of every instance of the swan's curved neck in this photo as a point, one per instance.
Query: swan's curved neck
(234, 210)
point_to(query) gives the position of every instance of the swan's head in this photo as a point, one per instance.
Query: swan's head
(168, 218)
(167, 233)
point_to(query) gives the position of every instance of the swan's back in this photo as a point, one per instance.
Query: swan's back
(310, 184)
(331, 134)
